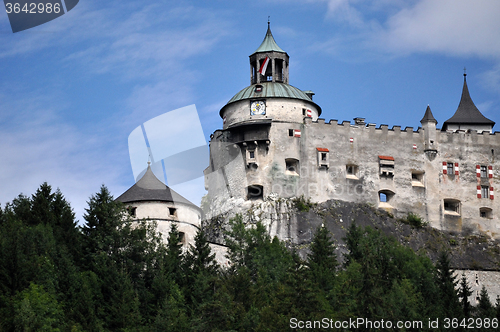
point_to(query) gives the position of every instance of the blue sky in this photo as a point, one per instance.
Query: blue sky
(73, 89)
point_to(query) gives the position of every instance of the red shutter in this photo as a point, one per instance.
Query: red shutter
(456, 169)
(490, 172)
(478, 191)
(492, 196)
(478, 171)
(444, 168)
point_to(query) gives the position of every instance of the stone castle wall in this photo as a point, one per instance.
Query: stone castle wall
(287, 161)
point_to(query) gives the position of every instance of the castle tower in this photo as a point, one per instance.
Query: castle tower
(269, 96)
(269, 63)
(150, 199)
(467, 116)
(429, 126)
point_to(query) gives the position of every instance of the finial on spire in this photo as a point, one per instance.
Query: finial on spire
(268, 21)
(149, 160)
(465, 71)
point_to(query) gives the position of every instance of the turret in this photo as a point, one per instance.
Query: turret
(467, 116)
(269, 63)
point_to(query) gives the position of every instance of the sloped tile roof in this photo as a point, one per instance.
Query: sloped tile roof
(467, 112)
(149, 188)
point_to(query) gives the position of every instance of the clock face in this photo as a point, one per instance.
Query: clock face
(258, 107)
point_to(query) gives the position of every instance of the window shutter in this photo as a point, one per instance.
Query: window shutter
(492, 196)
(478, 171)
(490, 172)
(457, 171)
(478, 191)
(444, 168)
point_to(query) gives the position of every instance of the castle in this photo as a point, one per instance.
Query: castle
(274, 143)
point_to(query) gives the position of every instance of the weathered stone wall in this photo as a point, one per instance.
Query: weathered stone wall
(476, 280)
(361, 146)
(187, 218)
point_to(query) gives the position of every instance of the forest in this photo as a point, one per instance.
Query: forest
(113, 274)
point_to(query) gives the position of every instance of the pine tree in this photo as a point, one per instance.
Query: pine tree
(485, 308)
(447, 283)
(464, 292)
(322, 260)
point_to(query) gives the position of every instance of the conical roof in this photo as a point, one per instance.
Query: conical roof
(149, 188)
(269, 44)
(467, 112)
(428, 117)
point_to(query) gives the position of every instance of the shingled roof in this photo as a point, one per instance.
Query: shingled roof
(149, 188)
(467, 112)
(428, 117)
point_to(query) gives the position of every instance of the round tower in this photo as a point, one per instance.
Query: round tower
(269, 97)
(151, 199)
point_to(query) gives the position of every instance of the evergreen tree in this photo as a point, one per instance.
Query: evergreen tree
(485, 308)
(322, 260)
(447, 284)
(464, 292)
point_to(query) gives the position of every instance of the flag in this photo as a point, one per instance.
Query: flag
(263, 67)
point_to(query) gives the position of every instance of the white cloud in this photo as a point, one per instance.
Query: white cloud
(455, 27)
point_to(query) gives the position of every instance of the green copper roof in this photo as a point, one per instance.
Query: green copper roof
(270, 90)
(269, 44)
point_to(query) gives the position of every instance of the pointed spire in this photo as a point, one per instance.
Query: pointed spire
(467, 112)
(428, 117)
(269, 44)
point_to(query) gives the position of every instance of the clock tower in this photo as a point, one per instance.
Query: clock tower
(269, 97)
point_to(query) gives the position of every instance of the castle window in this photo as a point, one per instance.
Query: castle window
(182, 238)
(386, 166)
(449, 168)
(385, 197)
(292, 166)
(258, 88)
(172, 212)
(485, 192)
(251, 158)
(484, 172)
(132, 211)
(485, 212)
(323, 157)
(255, 192)
(452, 206)
(290, 132)
(351, 171)
(417, 178)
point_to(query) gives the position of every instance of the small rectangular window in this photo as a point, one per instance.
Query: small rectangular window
(484, 171)
(452, 206)
(449, 167)
(290, 132)
(417, 178)
(172, 211)
(485, 212)
(323, 156)
(485, 191)
(386, 166)
(252, 154)
(304, 112)
(351, 171)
